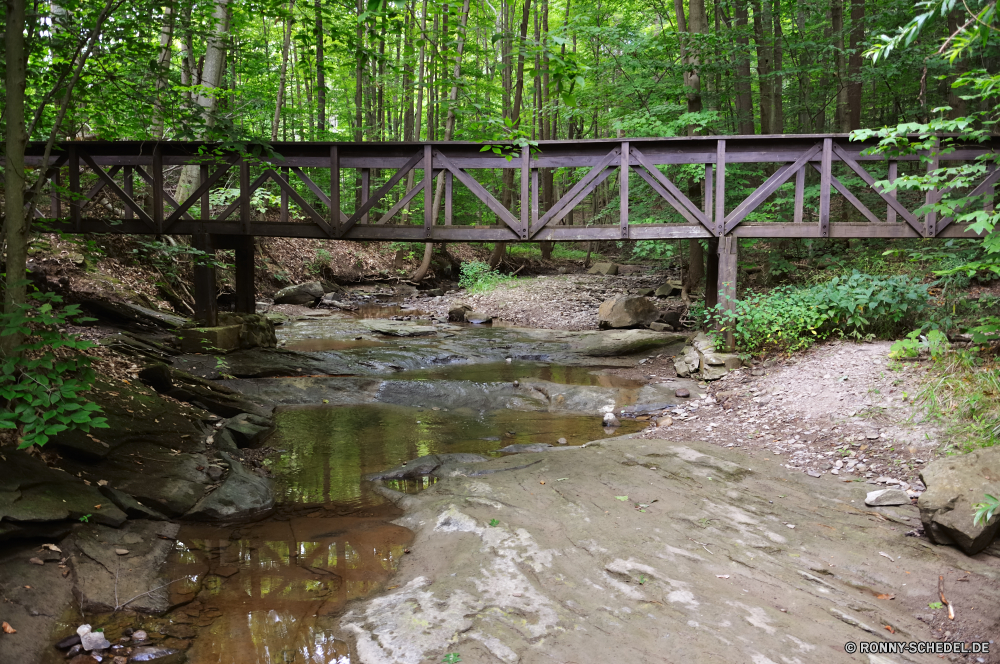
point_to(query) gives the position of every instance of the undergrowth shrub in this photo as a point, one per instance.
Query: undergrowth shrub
(858, 305)
(43, 381)
(477, 277)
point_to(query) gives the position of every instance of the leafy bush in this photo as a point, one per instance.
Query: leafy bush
(477, 277)
(858, 305)
(42, 389)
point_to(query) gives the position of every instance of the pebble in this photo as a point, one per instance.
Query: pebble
(682, 393)
(561, 441)
(611, 421)
(664, 421)
(74, 651)
(69, 641)
(139, 635)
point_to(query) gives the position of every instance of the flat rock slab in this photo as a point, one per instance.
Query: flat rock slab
(632, 548)
(242, 495)
(887, 497)
(424, 466)
(954, 484)
(625, 342)
(105, 580)
(397, 328)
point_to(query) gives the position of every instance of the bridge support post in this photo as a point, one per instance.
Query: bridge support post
(727, 262)
(246, 294)
(711, 273)
(206, 296)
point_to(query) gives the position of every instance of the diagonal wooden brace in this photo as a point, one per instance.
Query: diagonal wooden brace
(676, 197)
(772, 184)
(870, 181)
(480, 192)
(587, 184)
(364, 208)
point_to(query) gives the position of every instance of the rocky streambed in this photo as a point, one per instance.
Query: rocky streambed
(378, 490)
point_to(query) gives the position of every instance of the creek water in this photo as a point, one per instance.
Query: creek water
(269, 592)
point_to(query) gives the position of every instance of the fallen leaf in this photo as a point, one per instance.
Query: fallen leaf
(102, 482)
(98, 506)
(722, 576)
(36, 561)
(65, 573)
(885, 596)
(8, 629)
(621, 498)
(890, 629)
(542, 482)
(52, 547)
(28, 587)
(883, 553)
(121, 552)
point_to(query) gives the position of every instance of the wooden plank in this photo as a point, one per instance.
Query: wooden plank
(428, 193)
(55, 203)
(623, 170)
(311, 212)
(933, 196)
(366, 176)
(74, 187)
(480, 192)
(369, 202)
(709, 176)
(283, 214)
(127, 201)
(800, 192)
(851, 198)
(206, 199)
(335, 216)
(825, 174)
(771, 185)
(449, 190)
(728, 265)
(984, 188)
(669, 186)
(568, 200)
(525, 206)
(890, 200)
(890, 211)
(156, 172)
(534, 197)
(245, 194)
(720, 187)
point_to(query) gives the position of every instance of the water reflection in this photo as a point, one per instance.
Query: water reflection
(507, 372)
(327, 450)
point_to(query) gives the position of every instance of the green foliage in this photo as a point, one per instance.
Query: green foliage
(788, 318)
(985, 510)
(477, 277)
(451, 658)
(934, 342)
(321, 261)
(935, 605)
(42, 390)
(494, 523)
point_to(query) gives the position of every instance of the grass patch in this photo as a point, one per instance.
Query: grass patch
(962, 392)
(477, 277)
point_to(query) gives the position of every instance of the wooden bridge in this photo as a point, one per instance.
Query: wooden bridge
(113, 167)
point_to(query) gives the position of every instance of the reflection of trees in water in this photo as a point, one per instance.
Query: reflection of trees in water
(273, 608)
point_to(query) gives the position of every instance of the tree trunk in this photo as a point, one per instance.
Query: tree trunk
(418, 113)
(500, 248)
(837, 27)
(449, 130)
(162, 69)
(744, 98)
(321, 125)
(762, 39)
(215, 60)
(853, 83)
(359, 76)
(284, 72)
(777, 84)
(15, 220)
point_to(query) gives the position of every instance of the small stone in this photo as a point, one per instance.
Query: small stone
(120, 660)
(36, 561)
(813, 473)
(139, 635)
(887, 497)
(121, 552)
(561, 441)
(68, 642)
(664, 422)
(872, 435)
(74, 651)
(682, 393)
(611, 421)
(94, 641)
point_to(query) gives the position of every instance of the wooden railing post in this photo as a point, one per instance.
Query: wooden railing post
(931, 197)
(206, 298)
(623, 190)
(157, 176)
(246, 293)
(800, 192)
(75, 204)
(334, 189)
(525, 191)
(727, 282)
(825, 179)
(890, 215)
(428, 189)
(720, 187)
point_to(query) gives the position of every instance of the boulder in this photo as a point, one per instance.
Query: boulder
(626, 311)
(456, 313)
(603, 268)
(660, 327)
(307, 293)
(211, 340)
(477, 318)
(424, 466)
(885, 497)
(954, 484)
(256, 330)
(397, 328)
(669, 289)
(132, 507)
(249, 430)
(687, 362)
(623, 342)
(335, 301)
(242, 495)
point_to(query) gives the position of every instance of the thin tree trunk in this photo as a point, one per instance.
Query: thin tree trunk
(777, 85)
(15, 221)
(744, 99)
(449, 130)
(853, 83)
(320, 73)
(359, 76)
(500, 248)
(837, 27)
(762, 39)
(284, 71)
(162, 69)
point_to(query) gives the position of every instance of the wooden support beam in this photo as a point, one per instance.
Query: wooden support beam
(449, 191)
(128, 186)
(825, 175)
(246, 293)
(428, 161)
(534, 196)
(55, 204)
(890, 211)
(727, 269)
(74, 187)
(623, 191)
(245, 193)
(800, 192)
(206, 297)
(525, 191)
(283, 214)
(932, 196)
(366, 176)
(336, 217)
(711, 273)
(157, 174)
(720, 187)
(707, 201)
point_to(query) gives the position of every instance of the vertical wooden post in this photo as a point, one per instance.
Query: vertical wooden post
(707, 202)
(56, 201)
(890, 215)
(245, 196)
(712, 257)
(206, 299)
(246, 294)
(525, 191)
(334, 210)
(128, 186)
(727, 281)
(157, 176)
(283, 216)
(206, 201)
(931, 197)
(449, 190)
(988, 194)
(428, 189)
(366, 176)
(534, 196)
(75, 204)
(623, 190)
(800, 192)
(825, 178)
(720, 187)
